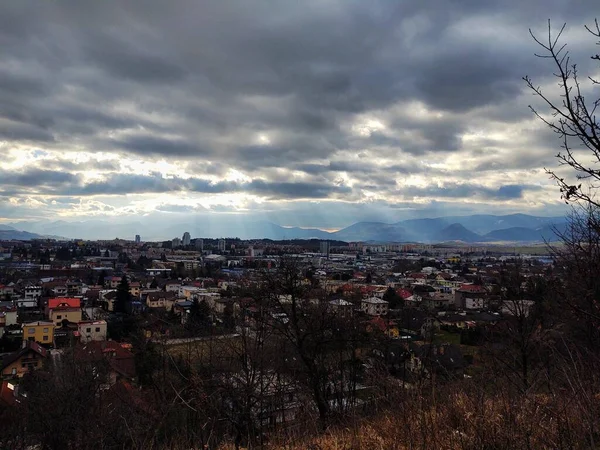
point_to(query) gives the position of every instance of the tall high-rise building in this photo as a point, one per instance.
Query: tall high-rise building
(221, 245)
(186, 239)
(199, 244)
(138, 239)
(176, 243)
(325, 248)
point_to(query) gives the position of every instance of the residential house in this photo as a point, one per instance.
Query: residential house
(173, 286)
(340, 307)
(60, 291)
(445, 360)
(519, 308)
(134, 289)
(33, 293)
(444, 279)
(145, 292)
(28, 303)
(8, 318)
(209, 297)
(387, 327)
(278, 404)
(374, 306)
(61, 309)
(107, 299)
(40, 331)
(161, 299)
(6, 291)
(437, 300)
(74, 288)
(471, 296)
(9, 394)
(91, 330)
(112, 282)
(220, 305)
(69, 302)
(30, 357)
(112, 360)
(182, 309)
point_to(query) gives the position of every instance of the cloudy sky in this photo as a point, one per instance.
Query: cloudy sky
(313, 113)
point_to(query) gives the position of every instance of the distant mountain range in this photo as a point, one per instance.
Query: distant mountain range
(469, 229)
(8, 233)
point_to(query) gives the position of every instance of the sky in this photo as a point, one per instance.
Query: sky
(314, 113)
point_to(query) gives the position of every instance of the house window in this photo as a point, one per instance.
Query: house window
(14, 371)
(97, 329)
(88, 330)
(45, 330)
(45, 338)
(59, 317)
(31, 331)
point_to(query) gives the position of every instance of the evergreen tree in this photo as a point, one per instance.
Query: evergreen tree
(101, 278)
(63, 254)
(199, 313)
(228, 319)
(392, 298)
(123, 299)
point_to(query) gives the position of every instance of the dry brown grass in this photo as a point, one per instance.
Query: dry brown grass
(464, 420)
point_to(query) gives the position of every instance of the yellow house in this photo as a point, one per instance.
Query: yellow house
(40, 332)
(57, 315)
(30, 357)
(134, 289)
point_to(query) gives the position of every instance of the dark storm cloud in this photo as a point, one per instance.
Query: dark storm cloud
(152, 146)
(129, 62)
(37, 178)
(16, 132)
(468, 190)
(66, 184)
(68, 165)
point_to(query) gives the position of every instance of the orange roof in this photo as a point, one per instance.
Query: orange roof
(64, 302)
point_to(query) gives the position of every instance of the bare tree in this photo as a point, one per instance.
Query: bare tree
(322, 345)
(573, 118)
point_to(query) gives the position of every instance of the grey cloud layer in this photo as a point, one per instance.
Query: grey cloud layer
(199, 82)
(49, 182)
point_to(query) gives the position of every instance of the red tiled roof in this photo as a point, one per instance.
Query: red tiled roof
(367, 289)
(29, 347)
(381, 323)
(403, 293)
(475, 288)
(7, 395)
(418, 276)
(119, 358)
(55, 303)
